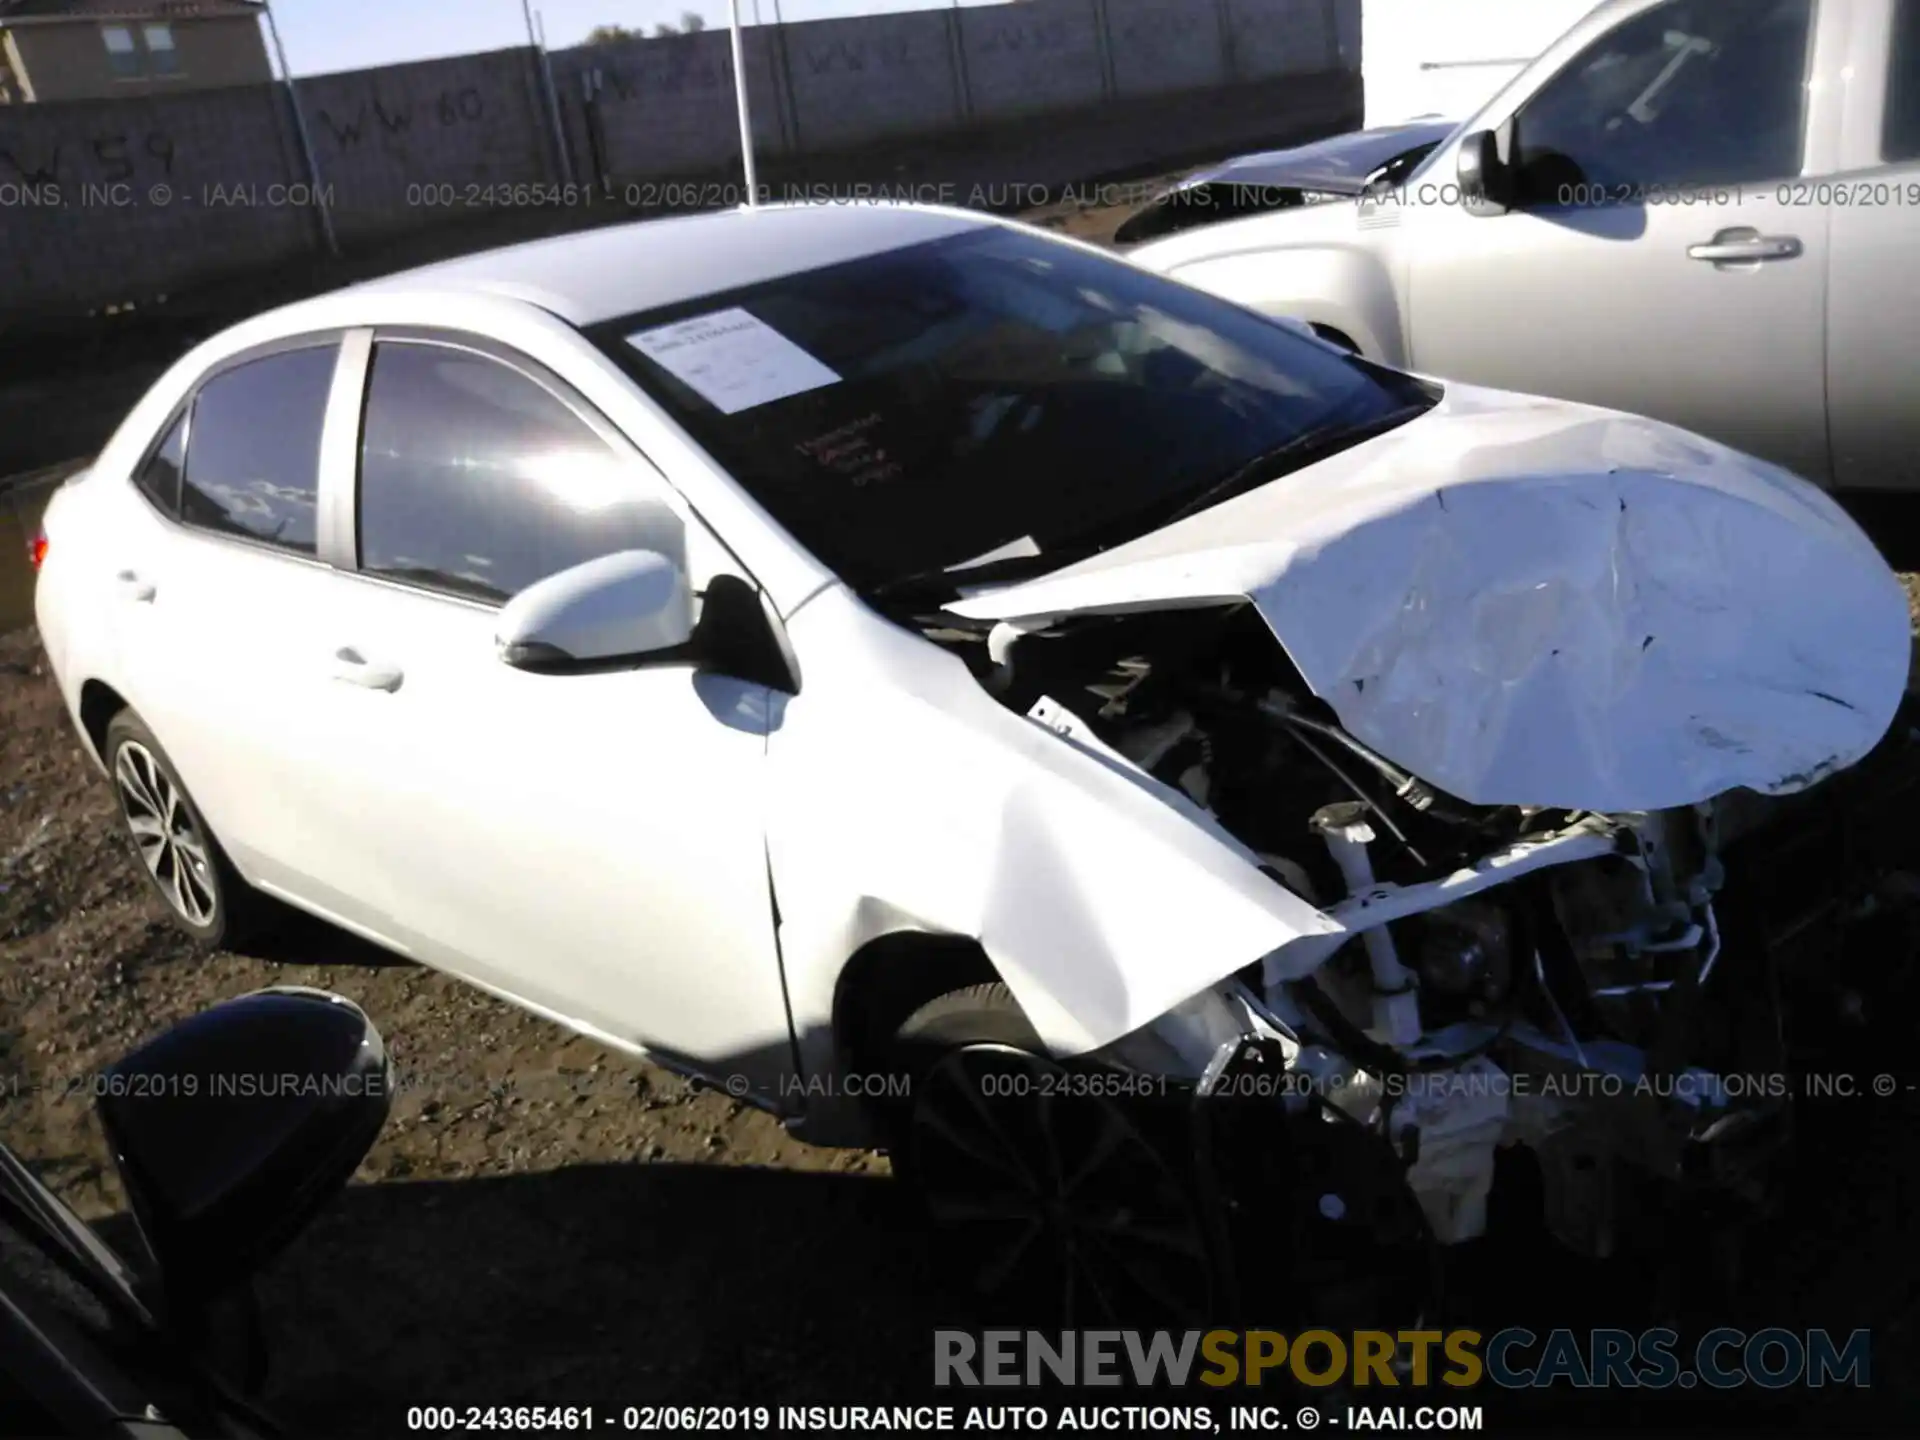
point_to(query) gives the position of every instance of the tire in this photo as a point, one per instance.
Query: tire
(1019, 1177)
(174, 847)
(971, 1015)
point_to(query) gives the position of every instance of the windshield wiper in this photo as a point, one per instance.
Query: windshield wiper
(949, 580)
(1296, 454)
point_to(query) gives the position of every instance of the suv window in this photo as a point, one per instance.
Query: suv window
(159, 478)
(1693, 92)
(1901, 140)
(475, 479)
(253, 451)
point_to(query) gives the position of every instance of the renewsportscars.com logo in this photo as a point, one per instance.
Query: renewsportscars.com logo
(1515, 1358)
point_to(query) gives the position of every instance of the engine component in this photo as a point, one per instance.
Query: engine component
(1452, 1120)
(1396, 1004)
(1466, 951)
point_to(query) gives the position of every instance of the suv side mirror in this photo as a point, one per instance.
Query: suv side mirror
(1488, 185)
(234, 1128)
(633, 602)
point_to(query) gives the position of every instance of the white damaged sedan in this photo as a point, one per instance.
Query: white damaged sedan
(957, 689)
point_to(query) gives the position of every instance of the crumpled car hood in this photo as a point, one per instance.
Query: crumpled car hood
(1530, 602)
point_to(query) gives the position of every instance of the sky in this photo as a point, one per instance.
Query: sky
(324, 35)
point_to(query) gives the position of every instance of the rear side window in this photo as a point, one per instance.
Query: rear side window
(159, 478)
(476, 480)
(1902, 137)
(253, 451)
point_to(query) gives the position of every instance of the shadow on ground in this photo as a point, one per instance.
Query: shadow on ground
(608, 1285)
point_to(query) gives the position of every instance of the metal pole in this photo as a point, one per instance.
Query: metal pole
(538, 35)
(306, 140)
(746, 113)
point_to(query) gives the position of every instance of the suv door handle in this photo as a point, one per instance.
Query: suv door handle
(132, 587)
(1744, 246)
(350, 666)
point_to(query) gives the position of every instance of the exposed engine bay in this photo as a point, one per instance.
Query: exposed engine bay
(1594, 988)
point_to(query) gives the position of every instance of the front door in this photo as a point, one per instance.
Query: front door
(591, 844)
(1660, 260)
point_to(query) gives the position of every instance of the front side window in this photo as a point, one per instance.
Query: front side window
(1693, 92)
(478, 481)
(990, 397)
(161, 54)
(159, 478)
(1902, 134)
(122, 58)
(253, 449)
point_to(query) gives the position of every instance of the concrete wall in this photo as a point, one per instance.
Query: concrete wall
(68, 60)
(1159, 46)
(1044, 55)
(873, 76)
(666, 106)
(469, 123)
(103, 202)
(109, 201)
(1287, 37)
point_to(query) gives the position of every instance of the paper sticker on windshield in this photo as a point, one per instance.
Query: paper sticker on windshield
(733, 360)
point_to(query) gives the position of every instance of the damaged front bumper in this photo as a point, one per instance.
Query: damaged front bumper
(1331, 1149)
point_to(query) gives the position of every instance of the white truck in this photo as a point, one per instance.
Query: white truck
(1444, 59)
(1706, 211)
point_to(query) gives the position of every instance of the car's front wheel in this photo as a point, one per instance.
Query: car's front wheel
(178, 853)
(1037, 1181)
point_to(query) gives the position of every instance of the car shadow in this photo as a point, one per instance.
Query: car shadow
(608, 1285)
(303, 939)
(637, 1285)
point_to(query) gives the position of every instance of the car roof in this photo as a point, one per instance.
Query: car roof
(619, 270)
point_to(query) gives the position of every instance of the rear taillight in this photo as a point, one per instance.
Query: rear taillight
(37, 549)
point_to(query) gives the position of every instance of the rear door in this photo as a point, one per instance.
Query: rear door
(218, 593)
(1873, 336)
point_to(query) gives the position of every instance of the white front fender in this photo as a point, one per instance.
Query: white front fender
(916, 802)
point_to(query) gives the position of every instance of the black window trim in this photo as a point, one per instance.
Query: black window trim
(287, 344)
(524, 365)
(1903, 28)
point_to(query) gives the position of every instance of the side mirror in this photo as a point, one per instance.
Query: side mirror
(234, 1128)
(1487, 183)
(633, 602)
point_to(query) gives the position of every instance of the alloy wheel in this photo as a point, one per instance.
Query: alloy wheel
(164, 830)
(1039, 1184)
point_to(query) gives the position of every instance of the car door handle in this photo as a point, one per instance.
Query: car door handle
(1734, 247)
(351, 666)
(132, 587)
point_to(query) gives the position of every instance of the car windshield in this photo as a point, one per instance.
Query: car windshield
(991, 394)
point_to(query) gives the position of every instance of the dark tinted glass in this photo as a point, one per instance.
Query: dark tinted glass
(160, 476)
(476, 480)
(996, 392)
(1903, 85)
(253, 454)
(1696, 92)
